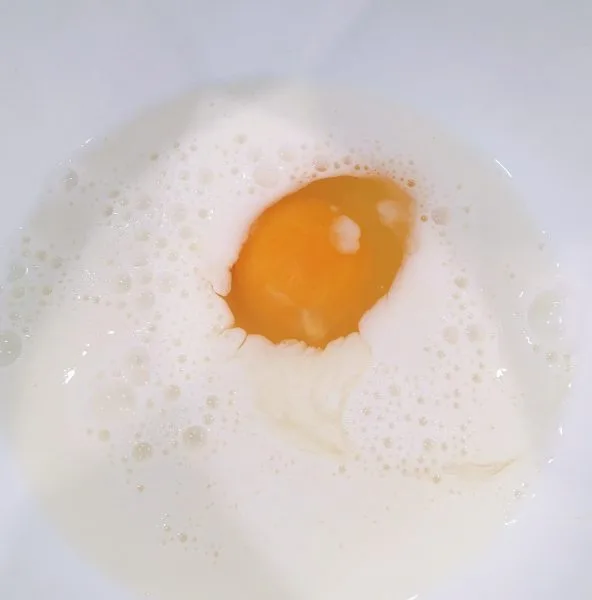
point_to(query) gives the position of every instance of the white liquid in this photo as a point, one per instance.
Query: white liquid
(189, 464)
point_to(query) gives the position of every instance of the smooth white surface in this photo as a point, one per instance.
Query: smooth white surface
(509, 77)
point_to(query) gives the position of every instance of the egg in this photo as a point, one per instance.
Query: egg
(318, 259)
(281, 341)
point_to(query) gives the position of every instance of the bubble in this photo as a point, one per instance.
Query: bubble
(205, 176)
(321, 163)
(146, 299)
(144, 202)
(167, 282)
(141, 260)
(287, 154)
(545, 316)
(10, 348)
(394, 390)
(70, 180)
(266, 176)
(205, 213)
(208, 419)
(17, 271)
(194, 436)
(142, 235)
(18, 292)
(254, 154)
(104, 435)
(139, 367)
(142, 451)
(428, 444)
(123, 283)
(186, 233)
(450, 334)
(212, 401)
(179, 213)
(440, 216)
(474, 334)
(173, 392)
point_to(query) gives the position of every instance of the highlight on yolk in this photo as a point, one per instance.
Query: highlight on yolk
(320, 257)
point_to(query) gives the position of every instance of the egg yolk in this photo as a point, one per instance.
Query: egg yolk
(320, 257)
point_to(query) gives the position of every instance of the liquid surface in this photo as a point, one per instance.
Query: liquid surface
(318, 259)
(182, 457)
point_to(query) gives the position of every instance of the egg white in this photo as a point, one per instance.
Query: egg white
(174, 450)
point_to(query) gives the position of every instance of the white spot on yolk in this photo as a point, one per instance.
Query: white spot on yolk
(345, 235)
(388, 212)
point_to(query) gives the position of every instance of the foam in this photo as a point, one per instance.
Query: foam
(390, 445)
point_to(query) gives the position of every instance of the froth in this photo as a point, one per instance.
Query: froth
(113, 323)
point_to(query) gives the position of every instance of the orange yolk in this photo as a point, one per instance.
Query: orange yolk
(317, 259)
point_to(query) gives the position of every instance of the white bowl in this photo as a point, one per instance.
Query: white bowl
(510, 78)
